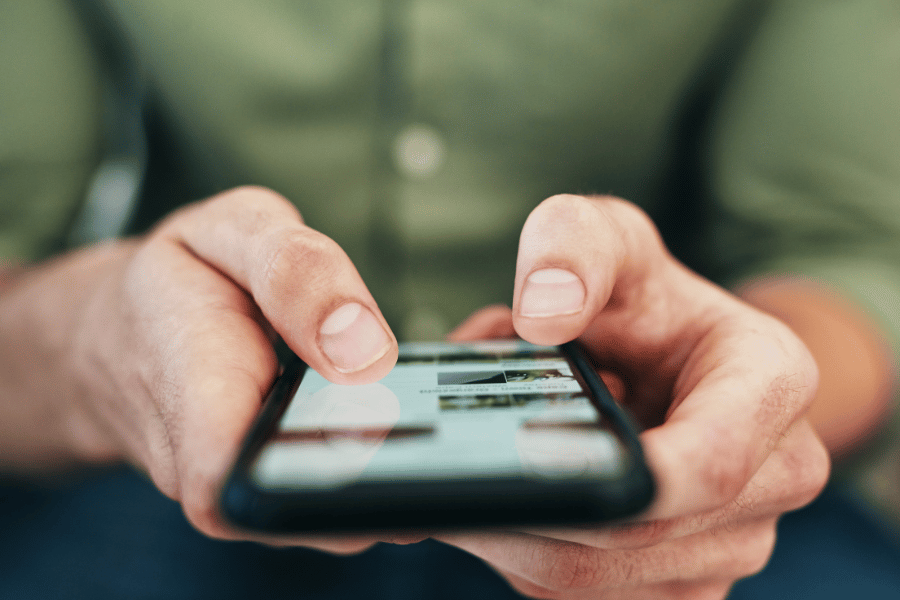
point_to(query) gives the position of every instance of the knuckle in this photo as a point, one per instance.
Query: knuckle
(807, 368)
(626, 211)
(642, 535)
(819, 469)
(740, 552)
(785, 399)
(260, 198)
(562, 210)
(631, 218)
(809, 467)
(203, 516)
(294, 255)
(200, 508)
(751, 500)
(164, 477)
(252, 209)
(797, 382)
(726, 483)
(727, 471)
(753, 556)
(573, 208)
(249, 209)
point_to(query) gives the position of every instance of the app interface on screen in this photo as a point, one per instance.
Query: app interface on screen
(484, 409)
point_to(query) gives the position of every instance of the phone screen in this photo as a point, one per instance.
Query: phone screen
(446, 411)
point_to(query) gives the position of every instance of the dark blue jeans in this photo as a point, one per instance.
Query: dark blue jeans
(114, 536)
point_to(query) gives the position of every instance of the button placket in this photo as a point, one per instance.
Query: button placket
(419, 151)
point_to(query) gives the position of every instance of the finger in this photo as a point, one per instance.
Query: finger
(615, 384)
(740, 378)
(208, 365)
(218, 364)
(574, 252)
(741, 390)
(714, 589)
(721, 554)
(305, 285)
(792, 477)
(337, 544)
(226, 365)
(343, 543)
(491, 322)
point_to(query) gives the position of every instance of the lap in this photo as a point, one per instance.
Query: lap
(114, 536)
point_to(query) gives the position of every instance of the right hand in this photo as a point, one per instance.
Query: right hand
(173, 347)
(721, 388)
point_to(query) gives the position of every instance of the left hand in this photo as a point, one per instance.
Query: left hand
(721, 387)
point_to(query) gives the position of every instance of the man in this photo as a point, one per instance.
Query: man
(157, 350)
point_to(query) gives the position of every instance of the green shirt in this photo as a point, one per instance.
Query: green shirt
(763, 136)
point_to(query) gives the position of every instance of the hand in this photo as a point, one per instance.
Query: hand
(721, 387)
(170, 338)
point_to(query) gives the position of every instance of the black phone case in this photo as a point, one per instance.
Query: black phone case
(429, 504)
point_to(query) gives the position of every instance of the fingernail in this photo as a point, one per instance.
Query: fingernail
(550, 293)
(352, 338)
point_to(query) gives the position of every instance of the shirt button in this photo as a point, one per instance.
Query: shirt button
(419, 151)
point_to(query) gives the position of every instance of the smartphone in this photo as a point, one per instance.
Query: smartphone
(456, 435)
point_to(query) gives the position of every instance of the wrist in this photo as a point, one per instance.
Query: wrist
(46, 420)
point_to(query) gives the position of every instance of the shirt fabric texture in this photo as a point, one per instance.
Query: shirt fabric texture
(762, 136)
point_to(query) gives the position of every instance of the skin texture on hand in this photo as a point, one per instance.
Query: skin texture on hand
(43, 429)
(856, 368)
(721, 387)
(159, 350)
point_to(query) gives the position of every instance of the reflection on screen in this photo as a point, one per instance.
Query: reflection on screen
(485, 409)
